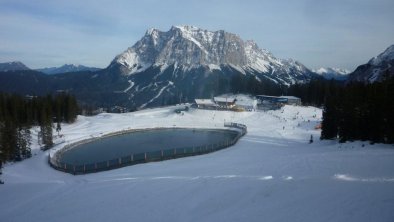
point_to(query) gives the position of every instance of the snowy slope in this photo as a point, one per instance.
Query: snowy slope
(271, 174)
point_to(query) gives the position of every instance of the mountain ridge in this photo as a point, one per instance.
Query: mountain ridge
(13, 66)
(377, 69)
(67, 68)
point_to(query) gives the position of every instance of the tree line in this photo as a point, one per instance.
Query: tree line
(360, 111)
(18, 114)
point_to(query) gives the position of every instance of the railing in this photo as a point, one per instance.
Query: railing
(145, 157)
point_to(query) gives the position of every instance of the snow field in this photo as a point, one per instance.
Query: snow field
(271, 174)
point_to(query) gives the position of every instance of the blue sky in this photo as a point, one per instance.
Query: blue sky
(318, 33)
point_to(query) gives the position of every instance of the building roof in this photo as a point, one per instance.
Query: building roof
(224, 99)
(265, 96)
(289, 97)
(246, 102)
(205, 102)
(277, 97)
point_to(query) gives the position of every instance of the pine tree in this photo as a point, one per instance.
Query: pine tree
(46, 123)
(47, 136)
(24, 142)
(330, 122)
(58, 128)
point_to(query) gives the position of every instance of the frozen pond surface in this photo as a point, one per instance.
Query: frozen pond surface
(144, 141)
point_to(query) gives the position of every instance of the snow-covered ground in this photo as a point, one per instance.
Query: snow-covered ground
(271, 174)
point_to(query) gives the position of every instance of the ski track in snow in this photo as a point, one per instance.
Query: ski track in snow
(128, 88)
(349, 178)
(158, 94)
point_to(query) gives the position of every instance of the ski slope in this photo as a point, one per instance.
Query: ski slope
(271, 174)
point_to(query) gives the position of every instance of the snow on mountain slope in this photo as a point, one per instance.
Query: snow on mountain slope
(332, 70)
(333, 73)
(378, 68)
(387, 55)
(271, 174)
(191, 47)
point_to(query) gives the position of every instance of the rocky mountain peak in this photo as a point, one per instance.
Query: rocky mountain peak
(189, 48)
(192, 46)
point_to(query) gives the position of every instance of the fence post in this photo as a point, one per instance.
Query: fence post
(131, 157)
(162, 154)
(84, 168)
(120, 161)
(145, 156)
(95, 166)
(107, 163)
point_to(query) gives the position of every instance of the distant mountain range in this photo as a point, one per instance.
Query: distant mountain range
(67, 68)
(18, 66)
(333, 73)
(180, 64)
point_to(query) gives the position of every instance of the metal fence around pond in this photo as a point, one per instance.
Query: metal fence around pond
(145, 157)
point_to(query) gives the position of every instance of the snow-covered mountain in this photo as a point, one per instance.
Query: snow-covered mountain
(12, 66)
(67, 68)
(189, 47)
(377, 69)
(333, 73)
(187, 62)
(168, 67)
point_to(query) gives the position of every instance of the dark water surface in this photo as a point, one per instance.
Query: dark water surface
(144, 141)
